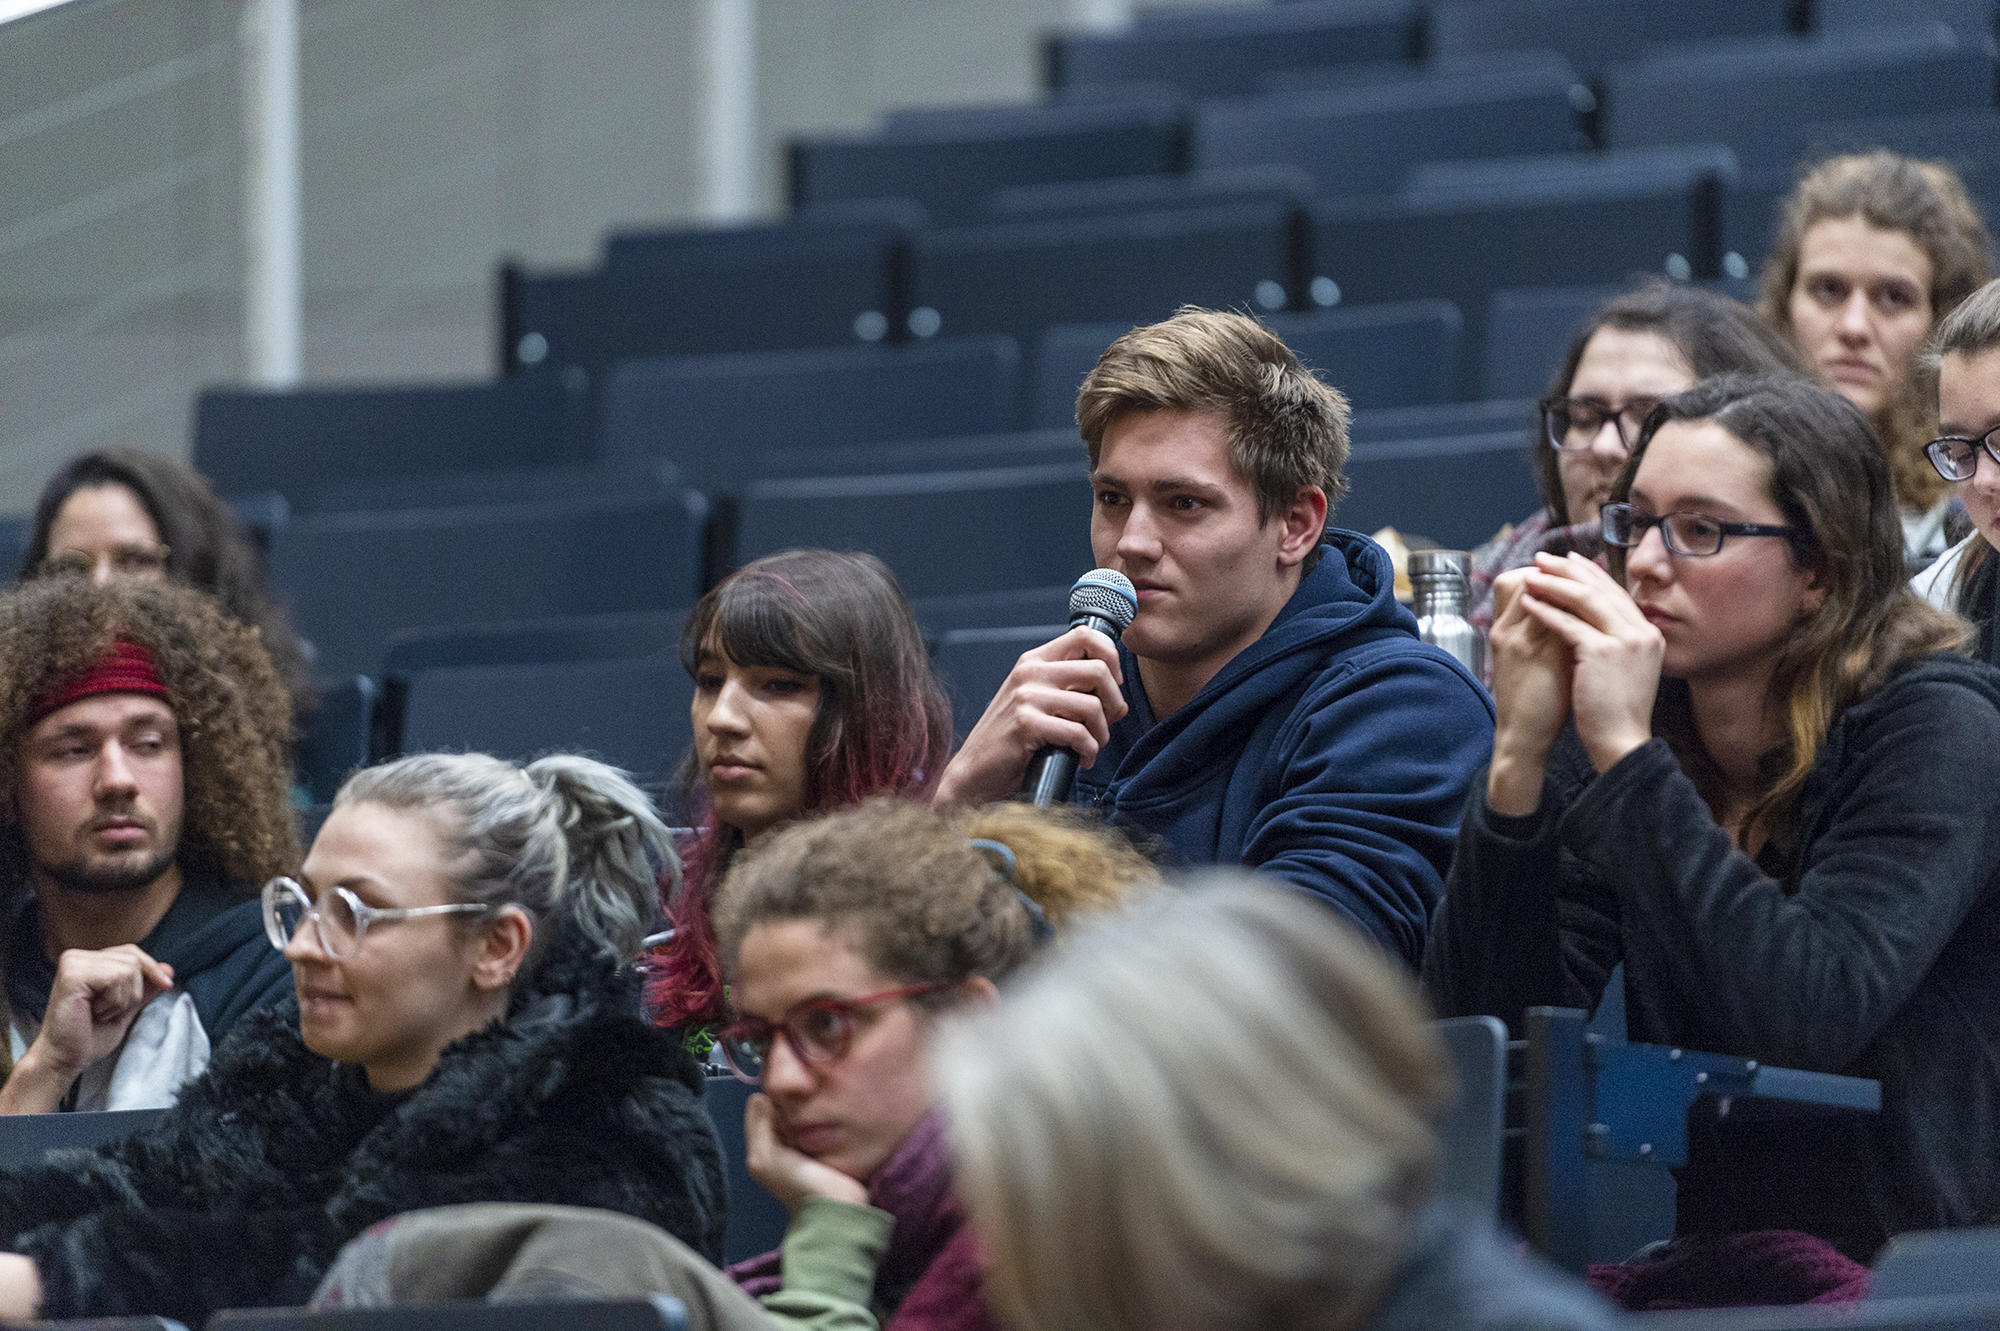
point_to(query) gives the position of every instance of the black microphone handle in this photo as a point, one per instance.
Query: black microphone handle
(1052, 771)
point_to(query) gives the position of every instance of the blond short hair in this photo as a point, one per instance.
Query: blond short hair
(1287, 429)
(1216, 1113)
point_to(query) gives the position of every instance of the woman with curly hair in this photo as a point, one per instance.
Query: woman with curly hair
(121, 512)
(461, 939)
(812, 691)
(143, 734)
(1872, 250)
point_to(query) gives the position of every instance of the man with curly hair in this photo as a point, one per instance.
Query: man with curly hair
(143, 800)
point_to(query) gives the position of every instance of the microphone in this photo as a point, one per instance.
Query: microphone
(1104, 601)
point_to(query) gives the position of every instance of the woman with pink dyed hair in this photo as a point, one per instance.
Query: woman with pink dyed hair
(813, 691)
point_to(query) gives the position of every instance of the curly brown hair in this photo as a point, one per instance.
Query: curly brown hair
(921, 901)
(235, 714)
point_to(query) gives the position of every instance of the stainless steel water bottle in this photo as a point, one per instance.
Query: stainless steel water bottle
(1438, 579)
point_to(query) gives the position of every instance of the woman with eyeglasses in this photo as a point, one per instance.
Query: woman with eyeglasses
(1965, 356)
(843, 940)
(812, 691)
(1752, 766)
(1635, 351)
(124, 513)
(467, 1029)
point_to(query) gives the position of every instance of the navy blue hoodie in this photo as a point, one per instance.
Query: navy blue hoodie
(1336, 751)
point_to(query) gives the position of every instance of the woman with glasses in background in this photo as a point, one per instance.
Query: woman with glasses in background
(1752, 766)
(1965, 357)
(843, 939)
(461, 938)
(1635, 351)
(125, 513)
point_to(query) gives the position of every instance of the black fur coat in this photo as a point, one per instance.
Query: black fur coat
(275, 1157)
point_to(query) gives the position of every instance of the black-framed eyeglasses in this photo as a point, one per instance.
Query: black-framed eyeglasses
(1573, 423)
(1956, 456)
(1694, 534)
(340, 919)
(819, 1030)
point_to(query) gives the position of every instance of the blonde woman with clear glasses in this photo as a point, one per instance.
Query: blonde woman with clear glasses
(467, 1030)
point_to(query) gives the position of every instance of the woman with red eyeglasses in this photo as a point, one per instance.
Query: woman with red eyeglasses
(843, 939)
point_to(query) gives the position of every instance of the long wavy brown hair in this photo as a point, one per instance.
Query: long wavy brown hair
(1829, 480)
(1927, 202)
(235, 715)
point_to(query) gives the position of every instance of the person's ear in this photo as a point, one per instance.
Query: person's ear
(503, 946)
(1301, 524)
(978, 992)
(1819, 586)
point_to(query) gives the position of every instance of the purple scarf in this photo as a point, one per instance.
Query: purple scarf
(931, 1277)
(1763, 1267)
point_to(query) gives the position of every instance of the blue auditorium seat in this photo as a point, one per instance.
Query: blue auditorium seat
(354, 580)
(1379, 355)
(714, 416)
(1227, 50)
(1472, 1129)
(1275, 185)
(297, 441)
(1761, 96)
(1971, 19)
(1969, 140)
(973, 662)
(1360, 141)
(1016, 449)
(1456, 490)
(656, 1312)
(1388, 424)
(952, 166)
(1016, 277)
(1593, 34)
(941, 532)
(1527, 332)
(339, 735)
(825, 281)
(535, 641)
(1484, 226)
(631, 712)
(1007, 608)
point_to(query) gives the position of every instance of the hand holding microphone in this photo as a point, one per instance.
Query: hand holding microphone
(1103, 601)
(1063, 695)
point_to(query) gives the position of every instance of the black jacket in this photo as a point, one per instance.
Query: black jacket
(275, 1156)
(1867, 946)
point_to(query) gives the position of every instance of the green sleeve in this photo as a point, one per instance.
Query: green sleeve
(830, 1255)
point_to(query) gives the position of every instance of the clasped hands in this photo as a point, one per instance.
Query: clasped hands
(1567, 644)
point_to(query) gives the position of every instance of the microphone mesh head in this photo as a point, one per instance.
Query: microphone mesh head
(1106, 593)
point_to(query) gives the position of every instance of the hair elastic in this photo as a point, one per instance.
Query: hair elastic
(1039, 927)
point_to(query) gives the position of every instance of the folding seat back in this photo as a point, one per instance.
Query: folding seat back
(1456, 491)
(942, 533)
(1759, 96)
(354, 580)
(1225, 51)
(950, 168)
(715, 416)
(1015, 278)
(696, 292)
(1527, 333)
(296, 441)
(1591, 34)
(1378, 355)
(1362, 141)
(631, 712)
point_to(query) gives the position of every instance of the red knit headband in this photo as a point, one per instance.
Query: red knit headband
(126, 668)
